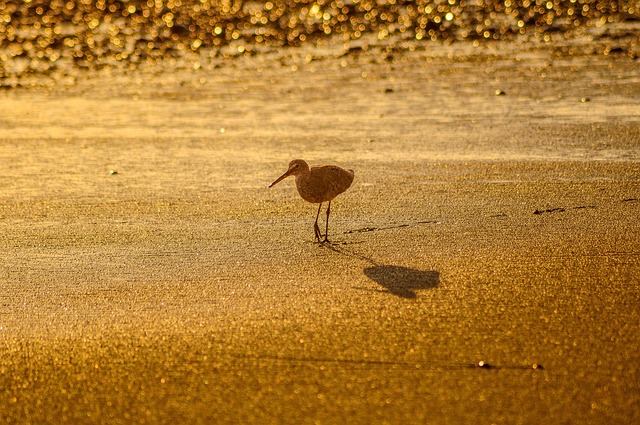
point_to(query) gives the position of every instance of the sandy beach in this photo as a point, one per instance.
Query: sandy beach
(149, 275)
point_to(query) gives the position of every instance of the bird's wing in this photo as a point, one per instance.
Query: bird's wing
(334, 179)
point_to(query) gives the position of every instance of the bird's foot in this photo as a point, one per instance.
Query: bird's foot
(322, 239)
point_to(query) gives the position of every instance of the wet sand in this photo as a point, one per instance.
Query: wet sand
(150, 276)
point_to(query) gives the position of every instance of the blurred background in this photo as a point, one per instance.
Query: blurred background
(38, 36)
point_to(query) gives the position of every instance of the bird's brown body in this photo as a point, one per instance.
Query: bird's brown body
(318, 184)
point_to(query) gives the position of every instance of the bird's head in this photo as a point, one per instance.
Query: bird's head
(297, 166)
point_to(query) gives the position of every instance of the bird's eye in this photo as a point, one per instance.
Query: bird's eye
(296, 165)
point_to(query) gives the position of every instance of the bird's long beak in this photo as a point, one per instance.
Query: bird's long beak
(282, 177)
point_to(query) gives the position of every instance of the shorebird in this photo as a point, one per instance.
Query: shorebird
(318, 184)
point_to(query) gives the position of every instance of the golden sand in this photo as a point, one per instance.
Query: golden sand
(485, 266)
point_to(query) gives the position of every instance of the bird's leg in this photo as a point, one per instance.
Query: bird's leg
(326, 229)
(316, 229)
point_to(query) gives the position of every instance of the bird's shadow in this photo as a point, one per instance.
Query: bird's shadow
(402, 281)
(396, 280)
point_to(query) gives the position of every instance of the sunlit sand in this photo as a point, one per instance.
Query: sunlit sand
(484, 261)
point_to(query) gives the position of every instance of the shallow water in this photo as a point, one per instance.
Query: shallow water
(445, 103)
(42, 36)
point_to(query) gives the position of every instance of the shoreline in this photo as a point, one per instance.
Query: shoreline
(617, 41)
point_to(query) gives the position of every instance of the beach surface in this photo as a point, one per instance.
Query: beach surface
(484, 265)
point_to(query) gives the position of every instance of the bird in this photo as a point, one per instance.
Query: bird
(318, 184)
